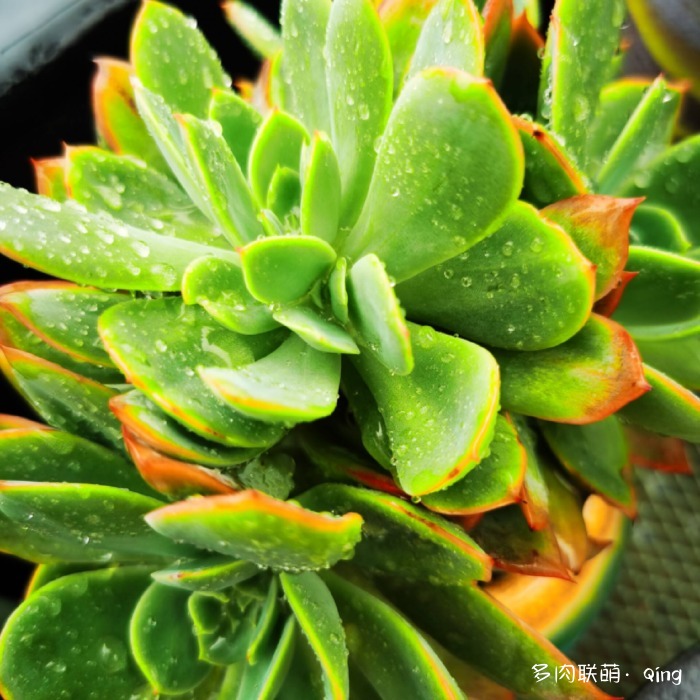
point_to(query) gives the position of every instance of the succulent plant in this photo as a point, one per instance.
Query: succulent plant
(326, 350)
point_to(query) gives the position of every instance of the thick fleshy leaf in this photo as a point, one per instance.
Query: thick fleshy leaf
(57, 456)
(463, 617)
(663, 300)
(172, 58)
(550, 174)
(596, 455)
(9, 422)
(49, 176)
(88, 248)
(583, 380)
(278, 143)
(284, 194)
(360, 83)
(535, 493)
(669, 182)
(436, 209)
(658, 228)
(172, 477)
(338, 290)
(218, 286)
(452, 35)
(212, 573)
(253, 28)
(669, 408)
(83, 522)
(377, 317)
(304, 64)
(117, 121)
(645, 136)
(293, 384)
(496, 481)
(264, 530)
(90, 609)
(317, 615)
(320, 196)
(408, 666)
(652, 451)
(154, 427)
(62, 315)
(436, 435)
(128, 190)
(401, 537)
(163, 643)
(678, 357)
(524, 287)
(265, 627)
(581, 43)
(282, 269)
(220, 179)
(65, 400)
(316, 330)
(498, 29)
(152, 342)
(605, 306)
(239, 121)
(599, 226)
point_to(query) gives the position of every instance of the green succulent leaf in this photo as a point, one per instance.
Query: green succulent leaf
(414, 220)
(524, 287)
(278, 143)
(678, 357)
(581, 43)
(284, 193)
(320, 196)
(57, 456)
(669, 408)
(338, 290)
(644, 137)
(452, 35)
(239, 120)
(401, 537)
(596, 455)
(360, 82)
(152, 342)
(583, 380)
(658, 228)
(163, 642)
(84, 522)
(157, 429)
(253, 28)
(212, 573)
(65, 400)
(535, 502)
(90, 609)
(408, 668)
(317, 615)
(219, 287)
(282, 269)
(496, 481)
(89, 248)
(663, 300)
(49, 174)
(435, 437)
(172, 58)
(377, 317)
(264, 530)
(320, 333)
(264, 629)
(220, 180)
(669, 182)
(303, 63)
(293, 384)
(498, 31)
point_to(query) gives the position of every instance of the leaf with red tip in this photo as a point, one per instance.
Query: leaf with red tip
(495, 482)
(63, 399)
(669, 408)
(599, 226)
(605, 306)
(581, 381)
(595, 455)
(172, 477)
(651, 451)
(534, 497)
(261, 529)
(399, 536)
(117, 120)
(435, 433)
(49, 175)
(8, 422)
(155, 428)
(550, 175)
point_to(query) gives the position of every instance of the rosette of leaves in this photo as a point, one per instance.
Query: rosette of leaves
(285, 313)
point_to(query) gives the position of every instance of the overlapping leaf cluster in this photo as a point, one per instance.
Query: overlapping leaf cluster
(292, 308)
